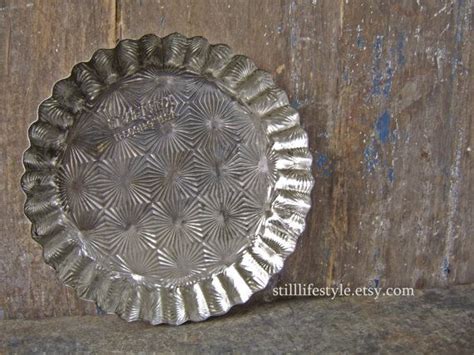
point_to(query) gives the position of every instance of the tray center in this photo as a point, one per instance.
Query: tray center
(166, 177)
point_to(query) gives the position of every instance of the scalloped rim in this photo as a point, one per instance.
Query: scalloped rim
(212, 296)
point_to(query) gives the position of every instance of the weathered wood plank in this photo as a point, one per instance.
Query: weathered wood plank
(40, 42)
(402, 140)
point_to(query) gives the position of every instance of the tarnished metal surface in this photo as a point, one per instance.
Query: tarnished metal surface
(167, 179)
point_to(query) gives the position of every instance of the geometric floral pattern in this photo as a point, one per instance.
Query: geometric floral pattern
(78, 188)
(171, 188)
(128, 227)
(224, 216)
(218, 168)
(214, 120)
(172, 176)
(124, 182)
(89, 223)
(179, 179)
(171, 137)
(179, 265)
(221, 252)
(178, 221)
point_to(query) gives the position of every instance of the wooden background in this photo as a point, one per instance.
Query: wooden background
(384, 88)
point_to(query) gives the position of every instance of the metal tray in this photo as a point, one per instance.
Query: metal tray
(167, 179)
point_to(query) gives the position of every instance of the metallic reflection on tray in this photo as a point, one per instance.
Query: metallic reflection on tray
(167, 179)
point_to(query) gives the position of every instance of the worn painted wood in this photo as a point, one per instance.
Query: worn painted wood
(385, 90)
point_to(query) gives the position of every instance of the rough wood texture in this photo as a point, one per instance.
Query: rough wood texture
(384, 90)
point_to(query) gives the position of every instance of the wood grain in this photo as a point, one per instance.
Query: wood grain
(384, 88)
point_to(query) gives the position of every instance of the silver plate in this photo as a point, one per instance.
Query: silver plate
(167, 179)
